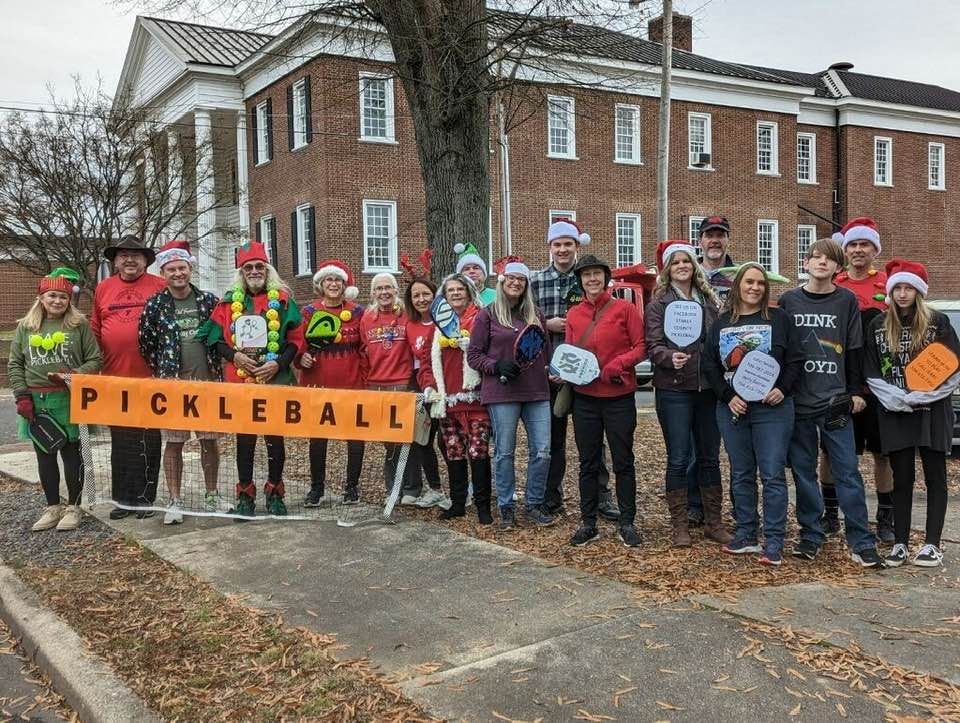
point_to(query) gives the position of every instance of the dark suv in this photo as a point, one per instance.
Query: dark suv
(951, 307)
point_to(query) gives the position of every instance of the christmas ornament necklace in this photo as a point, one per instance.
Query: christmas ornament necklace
(238, 305)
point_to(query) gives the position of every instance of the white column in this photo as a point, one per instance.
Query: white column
(243, 199)
(206, 200)
(174, 226)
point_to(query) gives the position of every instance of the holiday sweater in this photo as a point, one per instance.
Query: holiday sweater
(217, 332)
(384, 351)
(159, 335)
(491, 342)
(336, 364)
(446, 370)
(616, 340)
(70, 350)
(927, 425)
(419, 335)
(115, 319)
(871, 291)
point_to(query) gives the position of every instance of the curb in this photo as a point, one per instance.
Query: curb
(86, 683)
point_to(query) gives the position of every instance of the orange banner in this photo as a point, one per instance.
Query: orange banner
(244, 408)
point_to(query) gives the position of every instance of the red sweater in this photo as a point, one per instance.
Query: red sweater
(337, 364)
(385, 352)
(867, 290)
(616, 340)
(451, 361)
(117, 305)
(419, 334)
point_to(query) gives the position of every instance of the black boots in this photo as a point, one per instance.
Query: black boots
(480, 474)
(457, 472)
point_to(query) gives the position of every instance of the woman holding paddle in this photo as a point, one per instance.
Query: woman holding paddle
(509, 347)
(899, 344)
(452, 388)
(52, 339)
(685, 401)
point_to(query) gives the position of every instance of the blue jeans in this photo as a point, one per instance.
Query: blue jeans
(841, 450)
(536, 420)
(759, 440)
(688, 417)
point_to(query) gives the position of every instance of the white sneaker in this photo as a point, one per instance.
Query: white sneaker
(71, 518)
(430, 498)
(898, 555)
(213, 502)
(408, 500)
(49, 519)
(174, 513)
(928, 556)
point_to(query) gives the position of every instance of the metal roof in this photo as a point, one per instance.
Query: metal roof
(903, 92)
(207, 45)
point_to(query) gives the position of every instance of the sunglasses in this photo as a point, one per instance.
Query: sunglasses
(254, 267)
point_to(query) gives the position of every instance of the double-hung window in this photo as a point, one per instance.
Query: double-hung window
(262, 116)
(627, 134)
(303, 245)
(300, 110)
(379, 236)
(561, 127)
(767, 148)
(699, 141)
(936, 181)
(806, 235)
(806, 157)
(882, 161)
(768, 244)
(376, 108)
(628, 239)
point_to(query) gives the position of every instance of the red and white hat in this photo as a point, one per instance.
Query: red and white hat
(175, 251)
(862, 227)
(913, 273)
(340, 270)
(567, 228)
(666, 249)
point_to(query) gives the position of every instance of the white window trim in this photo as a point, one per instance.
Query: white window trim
(943, 167)
(774, 127)
(637, 246)
(303, 240)
(889, 142)
(637, 159)
(299, 119)
(263, 139)
(554, 213)
(775, 251)
(812, 181)
(801, 274)
(392, 230)
(571, 154)
(707, 139)
(693, 233)
(391, 138)
(264, 223)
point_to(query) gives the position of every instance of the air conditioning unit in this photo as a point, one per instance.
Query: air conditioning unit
(703, 160)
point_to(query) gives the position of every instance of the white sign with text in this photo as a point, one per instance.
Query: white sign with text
(755, 376)
(683, 322)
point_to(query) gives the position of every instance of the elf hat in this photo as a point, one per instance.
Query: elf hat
(340, 270)
(567, 228)
(913, 273)
(175, 251)
(666, 249)
(859, 228)
(251, 251)
(468, 254)
(60, 279)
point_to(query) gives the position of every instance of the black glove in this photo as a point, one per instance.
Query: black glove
(508, 369)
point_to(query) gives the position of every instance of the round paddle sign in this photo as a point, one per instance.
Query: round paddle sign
(756, 375)
(683, 322)
(574, 365)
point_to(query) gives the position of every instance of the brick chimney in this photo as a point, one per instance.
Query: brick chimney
(682, 31)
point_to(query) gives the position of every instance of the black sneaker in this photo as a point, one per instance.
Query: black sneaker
(536, 516)
(885, 525)
(314, 496)
(830, 521)
(118, 513)
(351, 495)
(584, 536)
(145, 514)
(805, 550)
(508, 520)
(898, 555)
(928, 556)
(628, 536)
(867, 558)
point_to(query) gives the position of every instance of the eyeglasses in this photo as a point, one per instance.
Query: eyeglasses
(254, 267)
(512, 279)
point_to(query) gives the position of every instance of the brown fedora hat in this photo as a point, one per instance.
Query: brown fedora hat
(129, 243)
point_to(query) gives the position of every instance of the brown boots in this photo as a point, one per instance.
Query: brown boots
(713, 528)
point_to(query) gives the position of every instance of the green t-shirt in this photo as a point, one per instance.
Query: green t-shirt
(193, 353)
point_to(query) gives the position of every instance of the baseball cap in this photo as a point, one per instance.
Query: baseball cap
(714, 222)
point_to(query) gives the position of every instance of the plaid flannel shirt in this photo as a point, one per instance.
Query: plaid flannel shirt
(550, 289)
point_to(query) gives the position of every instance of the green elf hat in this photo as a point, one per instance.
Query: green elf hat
(468, 254)
(732, 271)
(61, 278)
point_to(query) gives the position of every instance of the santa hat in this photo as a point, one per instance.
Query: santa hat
(666, 249)
(251, 251)
(913, 273)
(60, 279)
(340, 270)
(511, 264)
(567, 228)
(175, 251)
(468, 254)
(861, 228)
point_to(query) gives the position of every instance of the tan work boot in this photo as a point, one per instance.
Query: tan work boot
(49, 519)
(71, 518)
(680, 532)
(713, 528)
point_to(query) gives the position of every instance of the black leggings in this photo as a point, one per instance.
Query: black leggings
(276, 456)
(50, 473)
(318, 461)
(903, 464)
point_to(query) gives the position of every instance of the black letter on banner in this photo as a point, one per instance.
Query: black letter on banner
(361, 422)
(190, 405)
(259, 410)
(394, 424)
(87, 395)
(155, 401)
(124, 401)
(327, 416)
(293, 411)
(224, 414)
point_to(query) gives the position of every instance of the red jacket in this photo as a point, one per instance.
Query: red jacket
(385, 353)
(115, 321)
(616, 340)
(451, 361)
(335, 365)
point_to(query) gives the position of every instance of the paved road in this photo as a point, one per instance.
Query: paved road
(8, 418)
(17, 692)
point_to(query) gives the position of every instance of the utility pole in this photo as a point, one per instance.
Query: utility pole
(663, 141)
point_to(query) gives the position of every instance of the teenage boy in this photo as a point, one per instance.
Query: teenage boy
(827, 333)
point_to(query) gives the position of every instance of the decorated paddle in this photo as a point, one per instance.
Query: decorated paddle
(323, 328)
(574, 365)
(527, 347)
(931, 368)
(446, 319)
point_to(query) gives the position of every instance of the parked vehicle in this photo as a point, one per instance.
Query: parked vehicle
(951, 307)
(635, 284)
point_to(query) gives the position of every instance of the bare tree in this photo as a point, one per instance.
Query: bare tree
(76, 177)
(457, 60)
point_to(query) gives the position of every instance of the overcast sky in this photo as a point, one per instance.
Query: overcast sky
(48, 41)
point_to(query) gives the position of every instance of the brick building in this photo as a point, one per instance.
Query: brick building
(315, 153)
